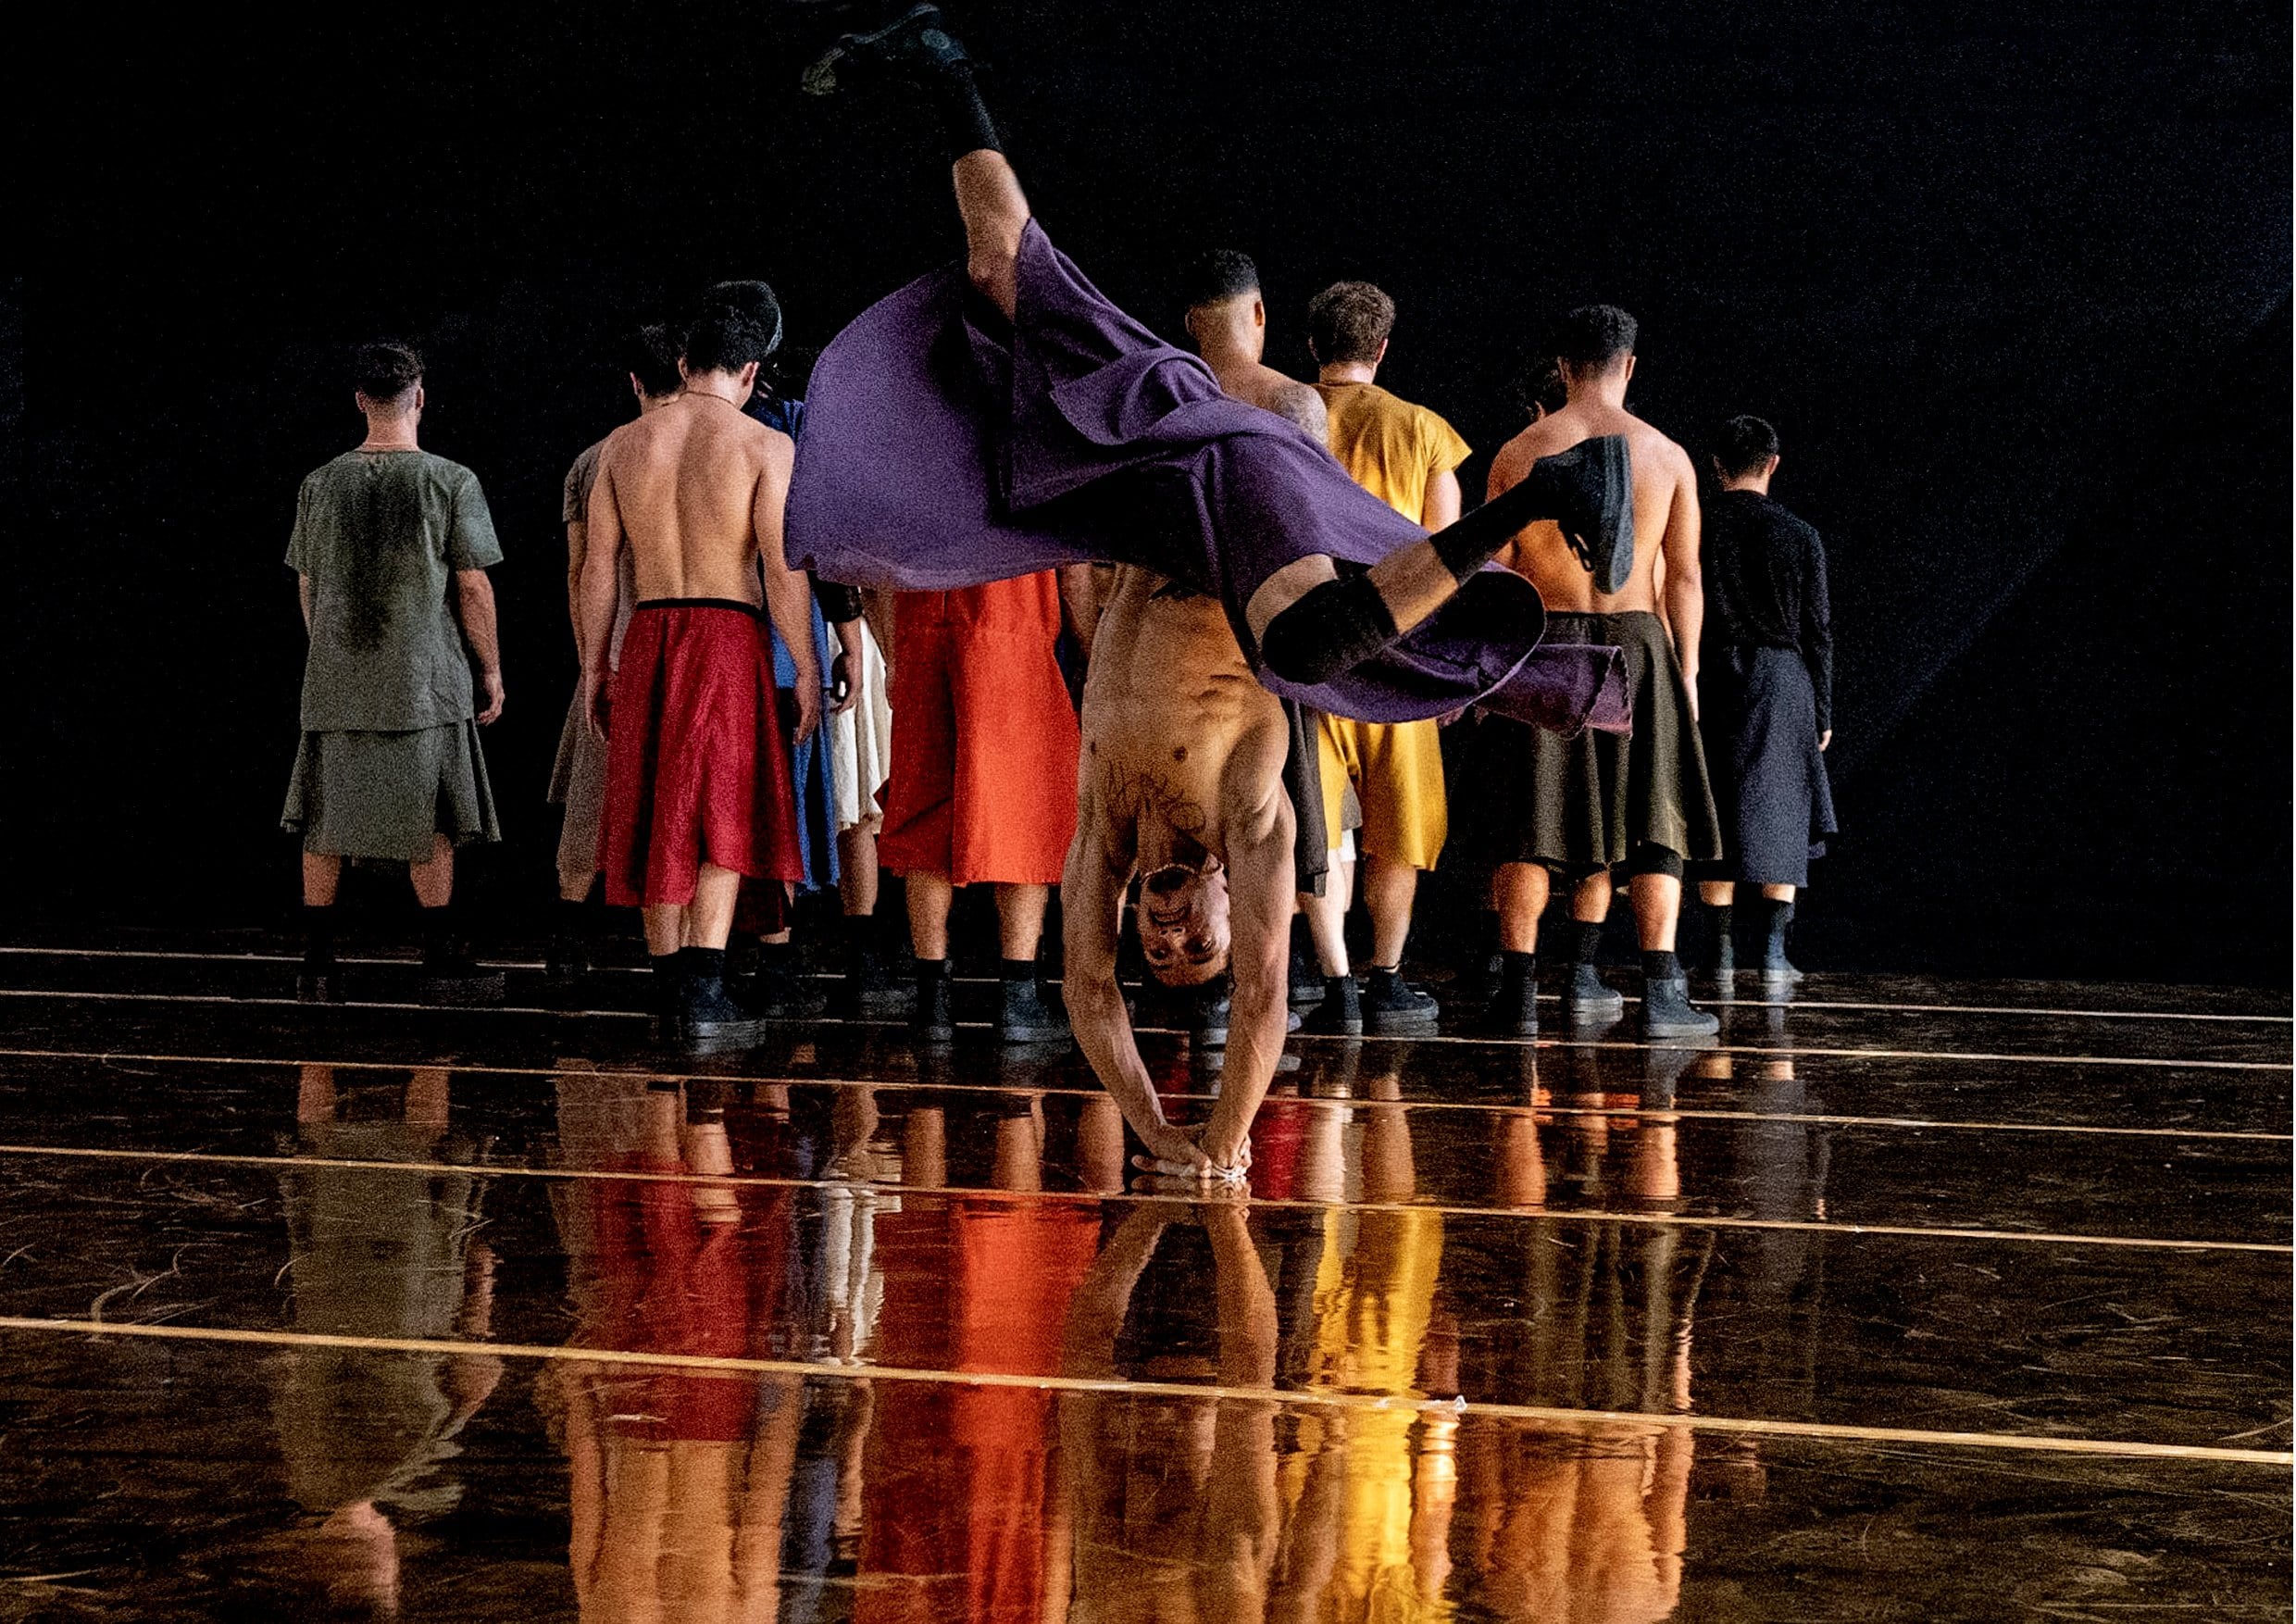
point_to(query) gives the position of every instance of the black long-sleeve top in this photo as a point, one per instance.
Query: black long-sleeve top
(1766, 587)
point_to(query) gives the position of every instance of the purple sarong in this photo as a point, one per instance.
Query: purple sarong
(945, 448)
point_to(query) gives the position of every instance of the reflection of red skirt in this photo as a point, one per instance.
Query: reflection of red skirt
(695, 769)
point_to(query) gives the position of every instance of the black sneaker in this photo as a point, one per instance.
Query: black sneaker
(913, 46)
(1340, 1013)
(774, 993)
(1667, 1011)
(453, 979)
(1589, 493)
(1393, 1004)
(1307, 977)
(867, 991)
(709, 1017)
(1512, 1011)
(930, 1020)
(1024, 1016)
(1586, 999)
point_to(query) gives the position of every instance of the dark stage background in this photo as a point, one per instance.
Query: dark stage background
(2012, 280)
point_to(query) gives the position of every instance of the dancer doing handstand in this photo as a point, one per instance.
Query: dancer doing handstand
(1004, 417)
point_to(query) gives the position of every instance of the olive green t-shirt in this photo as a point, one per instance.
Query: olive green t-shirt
(381, 534)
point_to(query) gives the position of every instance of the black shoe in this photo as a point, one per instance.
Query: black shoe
(1306, 978)
(1779, 971)
(318, 986)
(1512, 1011)
(1340, 1013)
(1586, 999)
(775, 993)
(1025, 1017)
(930, 1020)
(708, 1017)
(453, 979)
(865, 992)
(1666, 1012)
(1590, 493)
(1392, 1005)
(914, 45)
(1209, 1028)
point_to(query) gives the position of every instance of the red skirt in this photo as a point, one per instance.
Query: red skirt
(695, 769)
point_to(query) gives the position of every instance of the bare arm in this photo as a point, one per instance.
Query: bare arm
(600, 585)
(1091, 912)
(1684, 593)
(1260, 889)
(989, 196)
(577, 544)
(474, 601)
(302, 593)
(789, 600)
(1439, 506)
(849, 661)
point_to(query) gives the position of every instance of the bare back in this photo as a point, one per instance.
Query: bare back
(695, 490)
(1666, 510)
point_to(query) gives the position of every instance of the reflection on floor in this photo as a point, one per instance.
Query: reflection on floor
(487, 1315)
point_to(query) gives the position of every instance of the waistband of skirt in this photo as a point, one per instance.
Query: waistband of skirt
(736, 604)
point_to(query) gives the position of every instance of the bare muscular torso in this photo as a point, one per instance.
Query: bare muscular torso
(696, 490)
(1665, 510)
(1179, 737)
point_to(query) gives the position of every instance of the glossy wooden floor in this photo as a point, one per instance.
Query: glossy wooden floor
(1903, 1300)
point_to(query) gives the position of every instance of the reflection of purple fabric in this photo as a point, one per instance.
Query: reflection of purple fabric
(944, 449)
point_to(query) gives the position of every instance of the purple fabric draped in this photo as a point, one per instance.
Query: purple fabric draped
(944, 447)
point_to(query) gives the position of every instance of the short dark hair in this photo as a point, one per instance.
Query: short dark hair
(1349, 321)
(383, 372)
(649, 354)
(1219, 273)
(1742, 445)
(1594, 338)
(738, 322)
(1540, 390)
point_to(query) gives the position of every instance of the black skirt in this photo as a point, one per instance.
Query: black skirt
(1759, 714)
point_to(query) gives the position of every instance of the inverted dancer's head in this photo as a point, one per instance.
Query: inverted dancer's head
(1594, 348)
(737, 328)
(1183, 922)
(388, 377)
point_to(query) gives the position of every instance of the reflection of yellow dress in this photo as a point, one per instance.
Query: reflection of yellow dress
(1375, 1290)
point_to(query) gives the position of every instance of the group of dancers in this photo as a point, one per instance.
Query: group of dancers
(1279, 602)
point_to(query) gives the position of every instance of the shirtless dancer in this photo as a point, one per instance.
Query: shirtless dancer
(1182, 779)
(1595, 803)
(698, 787)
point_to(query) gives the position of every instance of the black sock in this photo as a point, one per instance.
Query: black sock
(1385, 979)
(965, 122)
(1519, 977)
(931, 969)
(1724, 918)
(573, 918)
(1775, 917)
(1017, 972)
(1330, 629)
(1586, 942)
(438, 934)
(1662, 967)
(318, 936)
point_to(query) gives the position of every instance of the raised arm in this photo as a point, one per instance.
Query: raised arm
(601, 584)
(1091, 913)
(789, 598)
(1684, 593)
